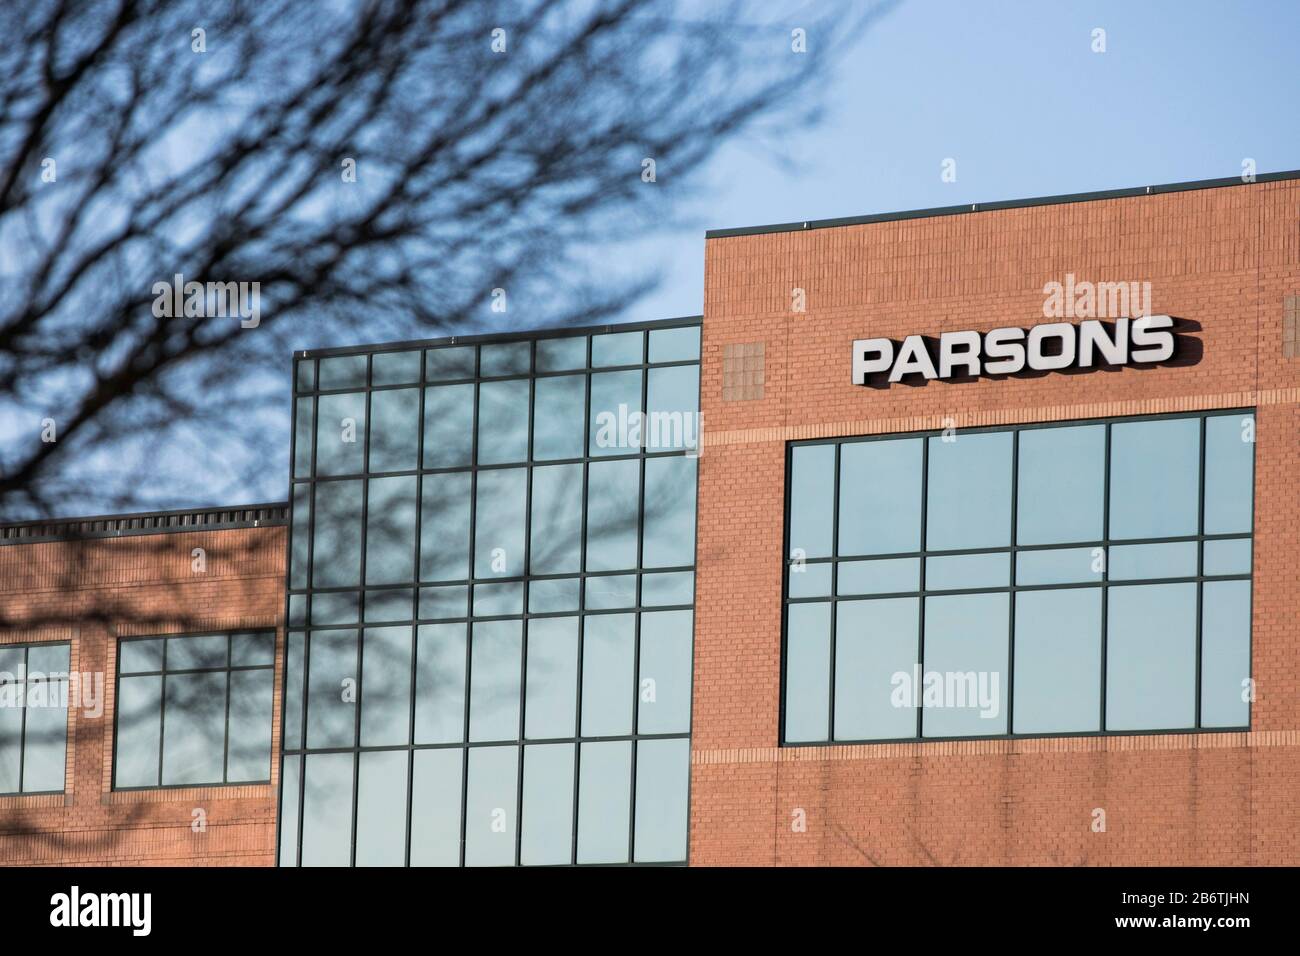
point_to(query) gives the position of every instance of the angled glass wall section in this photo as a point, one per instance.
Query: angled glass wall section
(491, 572)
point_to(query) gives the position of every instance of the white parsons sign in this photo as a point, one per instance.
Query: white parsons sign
(1006, 351)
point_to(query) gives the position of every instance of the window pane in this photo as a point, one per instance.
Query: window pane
(46, 741)
(249, 742)
(969, 494)
(302, 437)
(552, 596)
(664, 695)
(298, 558)
(395, 368)
(615, 409)
(496, 600)
(294, 658)
(808, 671)
(620, 348)
(880, 496)
(882, 576)
(394, 429)
(1169, 560)
(331, 695)
(669, 512)
(604, 792)
(11, 725)
(1058, 661)
(506, 358)
(557, 520)
(503, 421)
(1229, 473)
(490, 806)
(613, 492)
(499, 523)
(494, 681)
(448, 426)
(191, 653)
(608, 645)
(672, 406)
(335, 607)
(559, 420)
(661, 590)
(1154, 483)
(1228, 557)
(440, 684)
(252, 648)
(341, 434)
(306, 375)
(444, 602)
(810, 580)
(343, 371)
(1060, 566)
(610, 592)
(139, 714)
(389, 605)
(966, 644)
(140, 656)
(381, 809)
(547, 837)
(336, 555)
(552, 677)
(874, 641)
(327, 810)
(386, 686)
(1061, 485)
(663, 771)
(444, 528)
(194, 728)
(390, 530)
(289, 795)
(955, 571)
(1225, 650)
(675, 345)
(557, 355)
(812, 496)
(1151, 657)
(435, 807)
(446, 364)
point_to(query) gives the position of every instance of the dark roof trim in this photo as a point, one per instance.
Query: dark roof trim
(145, 522)
(1003, 204)
(522, 335)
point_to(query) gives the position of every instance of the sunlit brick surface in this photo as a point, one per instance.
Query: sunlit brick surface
(91, 593)
(1224, 258)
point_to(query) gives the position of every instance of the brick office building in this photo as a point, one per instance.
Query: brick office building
(1104, 539)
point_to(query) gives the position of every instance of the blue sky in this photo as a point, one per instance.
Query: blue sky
(1014, 93)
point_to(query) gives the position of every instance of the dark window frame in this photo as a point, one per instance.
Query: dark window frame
(26, 648)
(921, 593)
(228, 669)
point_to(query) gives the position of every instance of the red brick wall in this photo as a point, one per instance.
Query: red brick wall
(1224, 258)
(91, 593)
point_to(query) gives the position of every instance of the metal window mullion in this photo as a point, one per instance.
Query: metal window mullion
(1011, 597)
(920, 602)
(835, 550)
(636, 620)
(523, 622)
(361, 614)
(582, 612)
(1200, 568)
(1105, 581)
(22, 730)
(422, 385)
(225, 763)
(469, 627)
(162, 713)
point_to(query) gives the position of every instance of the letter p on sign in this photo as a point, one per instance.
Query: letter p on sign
(871, 356)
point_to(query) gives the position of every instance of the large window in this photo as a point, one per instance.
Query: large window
(194, 710)
(491, 603)
(33, 717)
(1074, 578)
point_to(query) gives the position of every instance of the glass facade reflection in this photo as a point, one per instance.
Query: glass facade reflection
(491, 602)
(1074, 578)
(33, 717)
